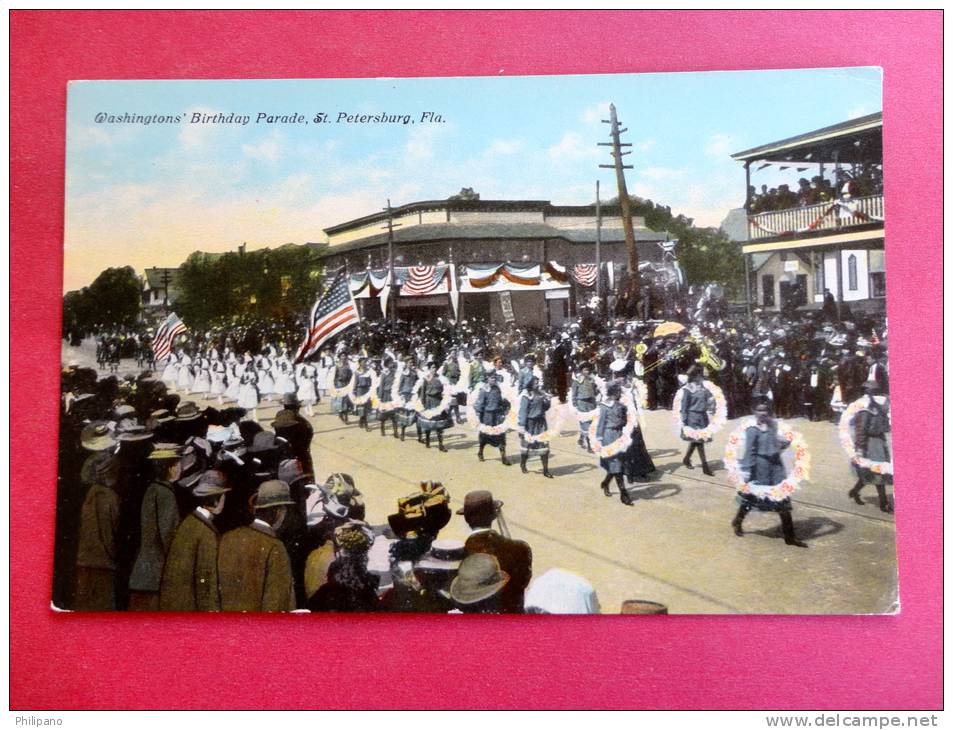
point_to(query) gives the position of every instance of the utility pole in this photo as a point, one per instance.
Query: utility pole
(166, 278)
(617, 155)
(598, 246)
(390, 260)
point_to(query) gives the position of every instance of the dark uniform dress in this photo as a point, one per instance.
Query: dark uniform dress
(342, 376)
(584, 393)
(362, 386)
(611, 425)
(405, 388)
(451, 371)
(532, 419)
(762, 461)
(431, 395)
(638, 463)
(491, 409)
(871, 426)
(697, 403)
(385, 388)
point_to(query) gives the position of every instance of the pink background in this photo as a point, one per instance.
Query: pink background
(125, 661)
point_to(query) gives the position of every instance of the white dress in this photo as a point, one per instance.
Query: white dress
(203, 379)
(248, 392)
(218, 378)
(285, 382)
(184, 378)
(234, 378)
(324, 369)
(171, 372)
(307, 377)
(266, 384)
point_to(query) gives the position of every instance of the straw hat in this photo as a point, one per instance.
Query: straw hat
(97, 436)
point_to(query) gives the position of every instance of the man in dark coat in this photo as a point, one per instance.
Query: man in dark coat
(190, 575)
(96, 559)
(290, 425)
(254, 570)
(515, 556)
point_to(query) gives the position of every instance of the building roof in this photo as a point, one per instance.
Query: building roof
(428, 232)
(542, 206)
(788, 149)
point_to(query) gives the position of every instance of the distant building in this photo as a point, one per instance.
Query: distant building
(819, 225)
(160, 289)
(538, 240)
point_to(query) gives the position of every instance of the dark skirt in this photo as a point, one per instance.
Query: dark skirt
(341, 404)
(438, 423)
(497, 440)
(637, 461)
(533, 448)
(406, 417)
(612, 464)
(762, 504)
(876, 450)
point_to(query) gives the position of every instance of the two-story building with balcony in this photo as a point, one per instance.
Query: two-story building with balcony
(815, 222)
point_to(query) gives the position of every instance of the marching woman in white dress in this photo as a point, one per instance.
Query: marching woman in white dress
(284, 380)
(218, 379)
(325, 363)
(184, 378)
(234, 379)
(203, 377)
(248, 393)
(266, 383)
(171, 372)
(307, 386)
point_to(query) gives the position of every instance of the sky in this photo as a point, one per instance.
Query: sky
(150, 194)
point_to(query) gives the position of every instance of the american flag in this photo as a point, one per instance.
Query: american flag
(333, 312)
(423, 280)
(171, 328)
(585, 274)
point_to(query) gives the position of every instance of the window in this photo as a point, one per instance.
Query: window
(852, 272)
(878, 275)
(767, 290)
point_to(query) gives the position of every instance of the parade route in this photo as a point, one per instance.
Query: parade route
(674, 545)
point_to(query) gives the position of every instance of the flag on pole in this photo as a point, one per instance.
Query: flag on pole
(334, 312)
(171, 328)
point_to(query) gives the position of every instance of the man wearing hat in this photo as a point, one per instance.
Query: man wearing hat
(190, 575)
(96, 559)
(189, 421)
(254, 570)
(290, 425)
(160, 518)
(480, 585)
(515, 556)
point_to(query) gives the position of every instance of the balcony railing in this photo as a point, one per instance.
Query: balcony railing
(828, 216)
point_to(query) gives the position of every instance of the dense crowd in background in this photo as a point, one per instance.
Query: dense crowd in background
(866, 180)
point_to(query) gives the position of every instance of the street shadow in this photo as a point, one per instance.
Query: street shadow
(807, 529)
(661, 453)
(568, 469)
(652, 491)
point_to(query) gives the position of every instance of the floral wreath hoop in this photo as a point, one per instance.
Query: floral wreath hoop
(431, 413)
(734, 452)
(359, 400)
(463, 382)
(551, 432)
(339, 392)
(642, 391)
(622, 443)
(847, 440)
(509, 422)
(393, 402)
(715, 423)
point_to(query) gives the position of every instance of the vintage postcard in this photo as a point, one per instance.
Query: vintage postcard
(552, 344)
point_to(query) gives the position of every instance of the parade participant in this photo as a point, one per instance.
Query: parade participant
(266, 381)
(613, 416)
(285, 378)
(697, 405)
(503, 372)
(762, 465)
(514, 556)
(387, 396)
(325, 365)
(203, 376)
(248, 395)
(477, 371)
(170, 374)
(585, 392)
(431, 393)
(637, 462)
(526, 373)
(96, 559)
(184, 375)
(340, 378)
(450, 370)
(406, 384)
(190, 574)
(218, 379)
(254, 569)
(871, 426)
(479, 585)
(307, 377)
(532, 422)
(159, 520)
(491, 409)
(361, 390)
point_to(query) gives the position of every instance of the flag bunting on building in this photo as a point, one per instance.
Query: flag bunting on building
(423, 280)
(171, 328)
(585, 274)
(334, 312)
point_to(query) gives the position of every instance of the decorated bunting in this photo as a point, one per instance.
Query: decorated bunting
(585, 274)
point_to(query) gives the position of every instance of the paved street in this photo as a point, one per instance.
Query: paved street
(675, 545)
